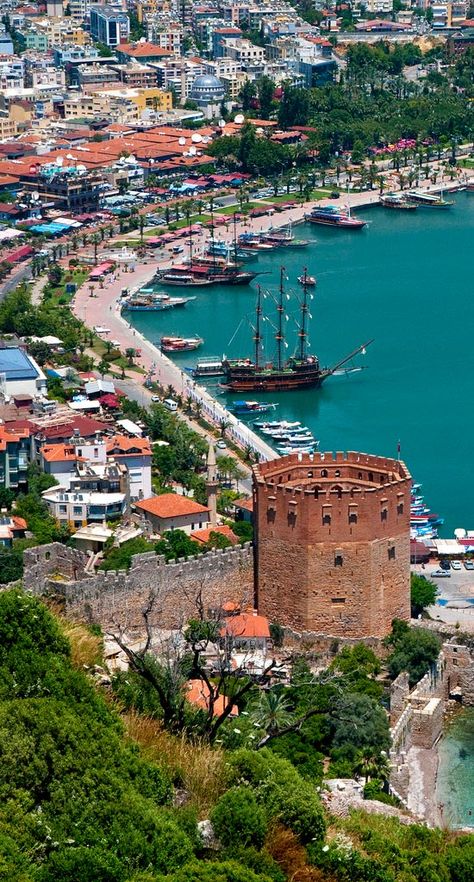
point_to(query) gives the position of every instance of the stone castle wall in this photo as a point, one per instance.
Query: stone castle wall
(333, 550)
(117, 599)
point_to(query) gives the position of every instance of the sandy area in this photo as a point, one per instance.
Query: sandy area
(423, 765)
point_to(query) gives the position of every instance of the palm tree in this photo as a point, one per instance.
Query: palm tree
(95, 241)
(129, 353)
(381, 183)
(271, 712)
(103, 367)
(373, 765)
(223, 426)
(141, 226)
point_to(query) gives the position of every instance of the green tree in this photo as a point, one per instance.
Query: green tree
(413, 650)
(265, 91)
(294, 107)
(237, 817)
(423, 593)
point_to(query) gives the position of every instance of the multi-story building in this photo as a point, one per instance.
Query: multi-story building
(14, 458)
(449, 15)
(166, 34)
(136, 75)
(332, 551)
(142, 52)
(376, 7)
(135, 454)
(243, 52)
(70, 188)
(109, 25)
(78, 506)
(220, 35)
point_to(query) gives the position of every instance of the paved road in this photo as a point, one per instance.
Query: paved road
(15, 279)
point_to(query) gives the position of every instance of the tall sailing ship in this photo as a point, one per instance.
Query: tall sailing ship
(300, 371)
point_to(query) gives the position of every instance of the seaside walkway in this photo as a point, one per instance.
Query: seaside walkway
(103, 310)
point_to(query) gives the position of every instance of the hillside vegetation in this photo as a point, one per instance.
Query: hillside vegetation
(90, 795)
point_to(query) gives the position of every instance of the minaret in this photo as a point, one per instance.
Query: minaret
(212, 484)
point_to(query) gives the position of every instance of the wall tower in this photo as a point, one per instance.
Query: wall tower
(332, 548)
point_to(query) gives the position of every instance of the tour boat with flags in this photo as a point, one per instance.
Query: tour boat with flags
(310, 281)
(302, 370)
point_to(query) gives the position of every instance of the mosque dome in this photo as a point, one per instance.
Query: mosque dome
(207, 89)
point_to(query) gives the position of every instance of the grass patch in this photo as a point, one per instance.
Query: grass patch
(183, 221)
(196, 767)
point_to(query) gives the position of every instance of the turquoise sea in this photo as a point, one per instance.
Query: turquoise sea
(406, 280)
(455, 782)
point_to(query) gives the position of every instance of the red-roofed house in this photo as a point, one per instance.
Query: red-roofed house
(170, 511)
(142, 51)
(11, 527)
(197, 692)
(203, 536)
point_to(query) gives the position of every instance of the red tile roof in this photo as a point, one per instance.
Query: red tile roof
(142, 49)
(203, 536)
(124, 446)
(171, 505)
(246, 625)
(197, 692)
(245, 503)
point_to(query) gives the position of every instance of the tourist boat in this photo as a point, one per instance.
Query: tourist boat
(182, 277)
(243, 407)
(428, 200)
(281, 430)
(254, 242)
(264, 425)
(285, 450)
(195, 274)
(398, 201)
(332, 216)
(310, 281)
(208, 367)
(226, 251)
(282, 236)
(142, 302)
(300, 371)
(180, 344)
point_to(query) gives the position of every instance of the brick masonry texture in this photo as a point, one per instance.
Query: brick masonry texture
(117, 599)
(332, 554)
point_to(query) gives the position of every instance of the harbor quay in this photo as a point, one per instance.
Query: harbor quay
(104, 310)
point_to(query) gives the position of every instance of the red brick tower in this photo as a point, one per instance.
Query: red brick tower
(332, 551)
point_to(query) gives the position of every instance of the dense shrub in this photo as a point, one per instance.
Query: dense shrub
(278, 787)
(227, 871)
(237, 817)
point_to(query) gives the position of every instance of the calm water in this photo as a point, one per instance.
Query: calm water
(455, 784)
(405, 280)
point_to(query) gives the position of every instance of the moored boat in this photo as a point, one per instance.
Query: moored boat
(300, 371)
(428, 200)
(208, 367)
(180, 344)
(332, 216)
(397, 201)
(142, 302)
(245, 407)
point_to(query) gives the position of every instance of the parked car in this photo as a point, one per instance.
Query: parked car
(221, 444)
(456, 565)
(469, 564)
(444, 564)
(439, 574)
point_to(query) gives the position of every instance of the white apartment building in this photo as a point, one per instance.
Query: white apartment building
(243, 52)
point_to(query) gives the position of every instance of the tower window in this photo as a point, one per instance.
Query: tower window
(384, 514)
(391, 552)
(352, 517)
(400, 508)
(326, 519)
(338, 560)
(324, 473)
(338, 599)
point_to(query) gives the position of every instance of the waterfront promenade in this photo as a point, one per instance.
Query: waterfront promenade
(103, 310)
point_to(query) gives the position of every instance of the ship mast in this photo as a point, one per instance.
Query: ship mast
(280, 309)
(235, 239)
(258, 337)
(302, 333)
